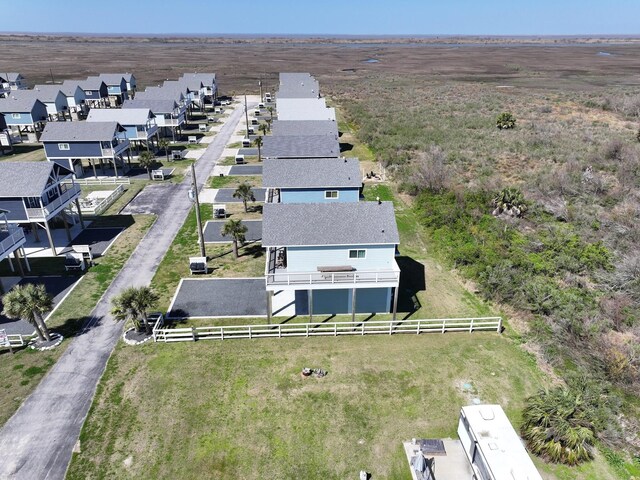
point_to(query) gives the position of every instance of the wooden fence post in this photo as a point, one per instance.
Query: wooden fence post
(194, 334)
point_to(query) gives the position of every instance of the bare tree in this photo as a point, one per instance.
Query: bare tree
(430, 171)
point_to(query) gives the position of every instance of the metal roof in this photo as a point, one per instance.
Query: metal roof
(157, 106)
(318, 224)
(25, 179)
(304, 109)
(293, 146)
(80, 131)
(298, 85)
(126, 116)
(316, 173)
(304, 127)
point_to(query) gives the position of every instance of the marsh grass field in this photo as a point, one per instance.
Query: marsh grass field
(239, 409)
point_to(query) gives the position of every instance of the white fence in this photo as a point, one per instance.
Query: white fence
(101, 181)
(95, 206)
(279, 330)
(16, 340)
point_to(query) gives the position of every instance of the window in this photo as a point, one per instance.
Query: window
(357, 253)
(15, 115)
(63, 146)
(331, 194)
(88, 93)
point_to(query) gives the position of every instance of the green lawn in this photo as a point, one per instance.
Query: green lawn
(232, 181)
(240, 409)
(22, 371)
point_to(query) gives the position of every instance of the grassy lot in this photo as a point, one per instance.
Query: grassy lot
(232, 160)
(22, 371)
(25, 153)
(175, 264)
(253, 416)
(232, 181)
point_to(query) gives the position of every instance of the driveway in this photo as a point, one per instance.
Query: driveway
(99, 239)
(245, 170)
(153, 199)
(219, 297)
(37, 442)
(212, 231)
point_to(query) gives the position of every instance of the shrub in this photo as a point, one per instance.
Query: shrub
(506, 121)
(511, 201)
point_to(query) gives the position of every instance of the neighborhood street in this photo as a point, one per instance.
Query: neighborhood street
(37, 442)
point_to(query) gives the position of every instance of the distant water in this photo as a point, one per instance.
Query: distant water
(371, 60)
(604, 54)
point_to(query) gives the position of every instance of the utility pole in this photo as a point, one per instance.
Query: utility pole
(193, 194)
(246, 114)
(52, 80)
(260, 85)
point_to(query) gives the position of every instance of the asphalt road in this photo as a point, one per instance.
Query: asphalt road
(37, 442)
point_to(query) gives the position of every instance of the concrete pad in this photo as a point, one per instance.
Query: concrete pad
(225, 195)
(219, 297)
(248, 151)
(212, 233)
(153, 199)
(195, 153)
(220, 170)
(284, 303)
(451, 466)
(207, 140)
(36, 249)
(245, 170)
(207, 195)
(58, 286)
(229, 152)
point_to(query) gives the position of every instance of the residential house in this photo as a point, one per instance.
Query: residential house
(12, 240)
(117, 86)
(304, 109)
(79, 145)
(25, 116)
(75, 99)
(332, 258)
(297, 85)
(139, 123)
(11, 81)
(208, 82)
(308, 146)
(170, 115)
(321, 180)
(52, 97)
(32, 194)
(95, 91)
(304, 127)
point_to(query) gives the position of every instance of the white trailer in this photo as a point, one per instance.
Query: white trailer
(492, 446)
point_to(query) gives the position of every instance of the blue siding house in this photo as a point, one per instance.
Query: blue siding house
(320, 180)
(117, 86)
(95, 91)
(34, 193)
(24, 115)
(336, 258)
(170, 115)
(79, 145)
(12, 240)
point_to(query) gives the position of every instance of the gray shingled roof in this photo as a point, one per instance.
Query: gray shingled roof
(304, 127)
(10, 76)
(69, 87)
(205, 77)
(91, 83)
(14, 104)
(316, 173)
(114, 78)
(126, 116)
(293, 146)
(157, 106)
(311, 224)
(79, 131)
(45, 93)
(24, 179)
(169, 91)
(297, 85)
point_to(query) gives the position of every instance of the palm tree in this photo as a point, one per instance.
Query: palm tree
(147, 160)
(270, 110)
(29, 302)
(133, 304)
(245, 193)
(558, 425)
(236, 230)
(163, 143)
(258, 142)
(268, 120)
(263, 128)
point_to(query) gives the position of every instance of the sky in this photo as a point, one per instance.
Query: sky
(331, 17)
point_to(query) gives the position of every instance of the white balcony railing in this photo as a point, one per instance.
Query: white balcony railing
(118, 149)
(57, 204)
(8, 244)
